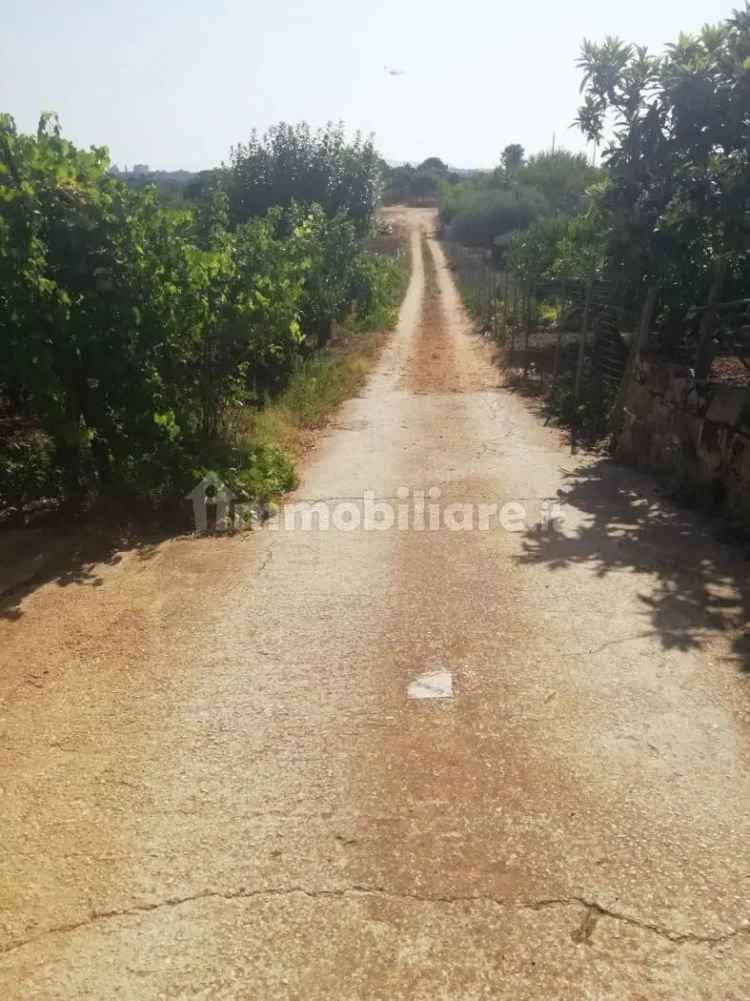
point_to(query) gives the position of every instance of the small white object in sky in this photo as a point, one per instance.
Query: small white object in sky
(436, 685)
(392, 71)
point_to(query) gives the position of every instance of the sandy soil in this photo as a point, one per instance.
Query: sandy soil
(213, 784)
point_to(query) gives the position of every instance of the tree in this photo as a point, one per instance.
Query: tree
(677, 199)
(131, 333)
(128, 330)
(434, 163)
(483, 215)
(292, 163)
(562, 178)
(425, 182)
(70, 314)
(512, 158)
(396, 182)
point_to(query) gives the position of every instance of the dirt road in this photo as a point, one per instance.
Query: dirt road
(214, 785)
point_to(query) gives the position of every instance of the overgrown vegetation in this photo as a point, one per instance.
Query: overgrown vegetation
(665, 223)
(487, 211)
(417, 185)
(133, 334)
(673, 206)
(676, 205)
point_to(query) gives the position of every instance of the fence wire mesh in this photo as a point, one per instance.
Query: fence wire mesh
(550, 329)
(568, 337)
(571, 338)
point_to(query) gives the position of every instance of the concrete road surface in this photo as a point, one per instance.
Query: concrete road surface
(214, 783)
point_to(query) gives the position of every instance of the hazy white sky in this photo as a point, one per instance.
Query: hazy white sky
(175, 84)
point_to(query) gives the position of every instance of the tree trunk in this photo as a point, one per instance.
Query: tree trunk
(709, 320)
(68, 458)
(96, 422)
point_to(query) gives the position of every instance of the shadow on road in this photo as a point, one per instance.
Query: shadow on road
(695, 585)
(31, 558)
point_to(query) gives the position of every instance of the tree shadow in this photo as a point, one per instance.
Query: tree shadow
(32, 558)
(617, 520)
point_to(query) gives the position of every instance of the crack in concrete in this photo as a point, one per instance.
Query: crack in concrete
(267, 557)
(583, 933)
(595, 911)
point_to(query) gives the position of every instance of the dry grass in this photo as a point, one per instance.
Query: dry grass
(317, 389)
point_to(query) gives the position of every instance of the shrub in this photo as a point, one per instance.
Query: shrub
(378, 285)
(293, 163)
(483, 215)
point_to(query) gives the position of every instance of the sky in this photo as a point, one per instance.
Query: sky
(176, 84)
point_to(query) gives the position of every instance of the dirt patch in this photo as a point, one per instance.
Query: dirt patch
(431, 364)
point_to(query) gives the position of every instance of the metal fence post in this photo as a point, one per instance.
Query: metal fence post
(582, 343)
(513, 325)
(581, 358)
(527, 326)
(558, 343)
(505, 306)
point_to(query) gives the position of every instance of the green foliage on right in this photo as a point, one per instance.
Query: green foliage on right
(481, 217)
(675, 209)
(488, 210)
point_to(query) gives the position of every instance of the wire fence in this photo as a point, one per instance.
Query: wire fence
(568, 338)
(573, 341)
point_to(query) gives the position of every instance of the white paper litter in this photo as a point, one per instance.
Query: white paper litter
(435, 685)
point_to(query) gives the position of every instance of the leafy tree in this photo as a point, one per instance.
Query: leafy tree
(483, 215)
(561, 177)
(396, 181)
(489, 209)
(425, 182)
(434, 163)
(69, 329)
(130, 332)
(579, 252)
(678, 193)
(533, 253)
(204, 182)
(512, 158)
(292, 163)
(330, 246)
(558, 247)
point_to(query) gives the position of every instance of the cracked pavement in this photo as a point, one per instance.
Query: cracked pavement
(213, 785)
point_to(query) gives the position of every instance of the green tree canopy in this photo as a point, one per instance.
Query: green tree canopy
(512, 158)
(561, 177)
(293, 163)
(677, 201)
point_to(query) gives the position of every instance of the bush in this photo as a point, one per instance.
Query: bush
(481, 216)
(293, 163)
(133, 332)
(589, 415)
(258, 473)
(378, 285)
(27, 471)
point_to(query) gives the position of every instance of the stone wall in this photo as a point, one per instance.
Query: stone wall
(697, 437)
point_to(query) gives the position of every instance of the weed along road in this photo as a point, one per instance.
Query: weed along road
(465, 721)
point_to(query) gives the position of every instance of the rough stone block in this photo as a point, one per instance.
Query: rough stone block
(728, 404)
